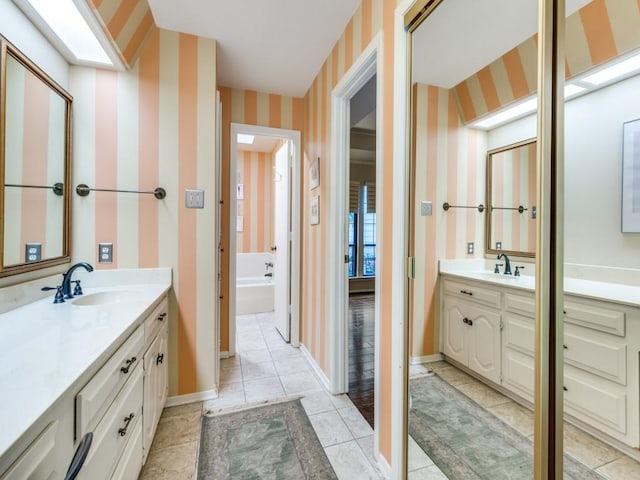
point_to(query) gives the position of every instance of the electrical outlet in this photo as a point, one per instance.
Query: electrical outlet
(498, 245)
(194, 198)
(105, 253)
(32, 252)
(426, 208)
(470, 248)
(534, 212)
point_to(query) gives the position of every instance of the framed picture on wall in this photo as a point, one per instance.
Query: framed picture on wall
(315, 210)
(631, 177)
(314, 173)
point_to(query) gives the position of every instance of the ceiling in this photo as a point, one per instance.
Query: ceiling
(275, 46)
(260, 144)
(462, 36)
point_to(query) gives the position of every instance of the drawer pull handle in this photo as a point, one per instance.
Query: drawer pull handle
(127, 420)
(159, 358)
(465, 292)
(565, 388)
(162, 316)
(128, 363)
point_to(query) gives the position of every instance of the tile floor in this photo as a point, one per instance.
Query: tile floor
(265, 368)
(605, 460)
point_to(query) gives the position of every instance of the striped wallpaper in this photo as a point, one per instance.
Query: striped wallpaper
(449, 165)
(257, 208)
(154, 125)
(595, 34)
(515, 172)
(250, 108)
(127, 23)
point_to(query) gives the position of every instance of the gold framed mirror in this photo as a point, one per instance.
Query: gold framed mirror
(511, 199)
(35, 157)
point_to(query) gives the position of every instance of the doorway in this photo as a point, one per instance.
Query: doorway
(264, 227)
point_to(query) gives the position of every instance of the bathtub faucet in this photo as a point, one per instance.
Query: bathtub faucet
(268, 265)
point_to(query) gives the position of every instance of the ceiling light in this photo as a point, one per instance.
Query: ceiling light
(244, 138)
(66, 27)
(511, 113)
(572, 90)
(614, 72)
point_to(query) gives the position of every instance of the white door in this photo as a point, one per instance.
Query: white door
(282, 227)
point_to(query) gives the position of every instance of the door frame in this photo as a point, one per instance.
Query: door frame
(364, 68)
(294, 210)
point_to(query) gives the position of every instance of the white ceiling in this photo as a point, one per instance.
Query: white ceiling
(275, 46)
(260, 144)
(462, 36)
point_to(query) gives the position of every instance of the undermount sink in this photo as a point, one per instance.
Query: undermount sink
(103, 298)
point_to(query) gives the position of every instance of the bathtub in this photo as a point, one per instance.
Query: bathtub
(254, 291)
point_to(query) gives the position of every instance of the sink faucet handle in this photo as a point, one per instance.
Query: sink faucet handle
(517, 272)
(77, 290)
(497, 269)
(59, 298)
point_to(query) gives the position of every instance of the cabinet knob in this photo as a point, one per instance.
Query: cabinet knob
(127, 420)
(128, 364)
(565, 347)
(162, 316)
(159, 358)
(468, 321)
(565, 388)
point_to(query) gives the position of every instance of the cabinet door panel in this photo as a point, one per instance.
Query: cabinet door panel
(455, 331)
(484, 343)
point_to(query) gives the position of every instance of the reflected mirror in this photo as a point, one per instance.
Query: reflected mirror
(34, 161)
(511, 199)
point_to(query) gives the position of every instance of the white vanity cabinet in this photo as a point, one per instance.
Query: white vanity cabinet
(472, 329)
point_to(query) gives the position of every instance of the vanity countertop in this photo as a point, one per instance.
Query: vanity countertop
(607, 291)
(47, 349)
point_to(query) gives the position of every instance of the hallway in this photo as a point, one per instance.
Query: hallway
(265, 368)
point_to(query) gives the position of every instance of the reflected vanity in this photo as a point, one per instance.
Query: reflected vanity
(35, 133)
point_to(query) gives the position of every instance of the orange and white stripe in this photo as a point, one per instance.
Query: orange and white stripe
(598, 32)
(147, 127)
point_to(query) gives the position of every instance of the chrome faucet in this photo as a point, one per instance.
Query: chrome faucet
(66, 279)
(507, 264)
(268, 265)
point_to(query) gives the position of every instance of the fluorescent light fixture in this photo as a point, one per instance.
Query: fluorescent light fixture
(613, 72)
(244, 138)
(571, 90)
(511, 113)
(68, 24)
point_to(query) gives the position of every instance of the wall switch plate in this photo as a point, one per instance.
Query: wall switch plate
(105, 253)
(194, 198)
(426, 207)
(498, 245)
(534, 212)
(32, 252)
(470, 247)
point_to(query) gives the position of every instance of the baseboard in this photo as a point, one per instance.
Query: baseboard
(426, 359)
(326, 383)
(383, 466)
(192, 397)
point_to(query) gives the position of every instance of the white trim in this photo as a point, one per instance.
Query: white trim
(383, 466)
(426, 359)
(399, 290)
(294, 279)
(225, 355)
(316, 368)
(191, 398)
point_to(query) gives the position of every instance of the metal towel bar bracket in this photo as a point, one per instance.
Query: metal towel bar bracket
(83, 190)
(446, 206)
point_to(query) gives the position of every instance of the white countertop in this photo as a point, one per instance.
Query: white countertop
(45, 349)
(607, 291)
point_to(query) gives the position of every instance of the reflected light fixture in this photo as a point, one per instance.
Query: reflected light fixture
(247, 139)
(68, 29)
(614, 72)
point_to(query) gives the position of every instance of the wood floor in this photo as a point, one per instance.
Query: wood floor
(361, 353)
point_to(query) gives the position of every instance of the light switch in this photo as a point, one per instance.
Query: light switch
(426, 208)
(194, 198)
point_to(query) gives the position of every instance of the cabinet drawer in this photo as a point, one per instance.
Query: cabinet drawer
(595, 352)
(131, 461)
(109, 439)
(598, 402)
(154, 322)
(604, 319)
(39, 459)
(94, 399)
(473, 292)
(524, 305)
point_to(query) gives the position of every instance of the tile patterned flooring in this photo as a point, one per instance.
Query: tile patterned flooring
(265, 368)
(602, 458)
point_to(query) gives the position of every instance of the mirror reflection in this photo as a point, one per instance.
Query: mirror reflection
(511, 199)
(35, 152)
